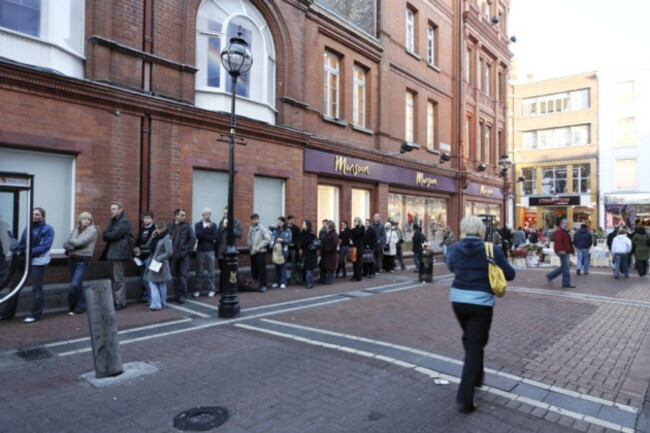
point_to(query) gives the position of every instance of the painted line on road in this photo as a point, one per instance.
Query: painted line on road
(581, 296)
(592, 406)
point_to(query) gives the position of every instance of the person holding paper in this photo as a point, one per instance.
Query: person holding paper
(158, 271)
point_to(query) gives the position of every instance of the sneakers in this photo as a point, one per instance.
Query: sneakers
(196, 294)
(30, 319)
(263, 289)
(211, 294)
(274, 285)
(578, 271)
(283, 286)
(70, 313)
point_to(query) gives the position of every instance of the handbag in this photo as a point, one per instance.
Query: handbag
(277, 256)
(315, 245)
(495, 273)
(368, 256)
(352, 254)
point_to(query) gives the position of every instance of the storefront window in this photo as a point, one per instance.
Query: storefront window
(428, 213)
(328, 205)
(552, 216)
(554, 180)
(480, 208)
(360, 204)
(581, 179)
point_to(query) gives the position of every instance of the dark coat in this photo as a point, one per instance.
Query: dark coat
(309, 256)
(328, 251)
(370, 238)
(418, 240)
(118, 236)
(562, 241)
(345, 237)
(186, 241)
(206, 237)
(222, 242)
(356, 236)
(582, 239)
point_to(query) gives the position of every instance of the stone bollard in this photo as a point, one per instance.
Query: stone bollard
(103, 330)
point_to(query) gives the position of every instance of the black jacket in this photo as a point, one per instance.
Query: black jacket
(357, 234)
(370, 238)
(118, 236)
(185, 242)
(309, 256)
(206, 237)
(418, 240)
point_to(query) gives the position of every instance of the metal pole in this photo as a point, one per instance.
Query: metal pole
(229, 302)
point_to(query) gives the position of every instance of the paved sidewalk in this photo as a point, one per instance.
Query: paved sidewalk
(373, 356)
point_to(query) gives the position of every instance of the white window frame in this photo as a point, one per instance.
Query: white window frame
(332, 107)
(488, 143)
(431, 45)
(359, 97)
(409, 125)
(268, 206)
(431, 125)
(327, 195)
(410, 30)
(360, 202)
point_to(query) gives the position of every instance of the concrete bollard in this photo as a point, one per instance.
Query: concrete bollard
(103, 330)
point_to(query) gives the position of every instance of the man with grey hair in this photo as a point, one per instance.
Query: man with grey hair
(206, 235)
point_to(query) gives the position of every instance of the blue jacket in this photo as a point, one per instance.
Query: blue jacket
(467, 260)
(206, 237)
(582, 239)
(42, 238)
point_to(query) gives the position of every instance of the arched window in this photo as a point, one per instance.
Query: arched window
(217, 22)
(44, 33)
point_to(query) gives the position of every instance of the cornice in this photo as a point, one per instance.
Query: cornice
(487, 37)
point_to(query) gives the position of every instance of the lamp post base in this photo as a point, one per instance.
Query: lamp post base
(229, 303)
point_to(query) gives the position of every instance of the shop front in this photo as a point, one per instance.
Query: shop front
(546, 212)
(486, 202)
(350, 187)
(628, 209)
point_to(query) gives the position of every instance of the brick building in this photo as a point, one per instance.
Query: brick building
(127, 100)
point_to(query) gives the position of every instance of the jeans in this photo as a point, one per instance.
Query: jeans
(620, 264)
(118, 281)
(564, 269)
(583, 260)
(76, 298)
(444, 251)
(416, 261)
(642, 267)
(204, 271)
(281, 270)
(343, 254)
(38, 278)
(158, 295)
(309, 278)
(400, 256)
(179, 270)
(475, 320)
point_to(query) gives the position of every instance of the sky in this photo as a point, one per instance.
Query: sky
(556, 38)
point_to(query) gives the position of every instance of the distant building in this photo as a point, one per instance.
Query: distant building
(624, 157)
(555, 147)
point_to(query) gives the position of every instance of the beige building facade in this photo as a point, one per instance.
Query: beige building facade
(555, 151)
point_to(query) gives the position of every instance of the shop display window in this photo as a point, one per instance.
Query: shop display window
(429, 213)
(328, 205)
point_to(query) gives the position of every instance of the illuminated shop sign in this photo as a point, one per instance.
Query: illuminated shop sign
(572, 200)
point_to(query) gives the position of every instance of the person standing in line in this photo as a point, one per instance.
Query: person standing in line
(328, 254)
(258, 241)
(321, 237)
(141, 252)
(563, 248)
(369, 244)
(42, 237)
(183, 240)
(294, 248)
(390, 248)
(380, 233)
(306, 242)
(118, 236)
(344, 245)
(582, 239)
(641, 247)
(472, 300)
(418, 245)
(357, 232)
(222, 245)
(79, 248)
(160, 243)
(448, 238)
(280, 240)
(206, 236)
(621, 247)
(400, 242)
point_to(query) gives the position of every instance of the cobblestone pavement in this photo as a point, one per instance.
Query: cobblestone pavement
(382, 355)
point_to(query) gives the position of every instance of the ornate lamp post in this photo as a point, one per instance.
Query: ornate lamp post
(237, 60)
(504, 165)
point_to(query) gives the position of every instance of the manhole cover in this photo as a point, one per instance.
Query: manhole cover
(34, 354)
(201, 418)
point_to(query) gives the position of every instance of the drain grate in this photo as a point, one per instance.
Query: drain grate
(201, 418)
(34, 354)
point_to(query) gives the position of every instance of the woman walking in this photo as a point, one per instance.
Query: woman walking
(344, 245)
(472, 301)
(79, 248)
(356, 237)
(641, 241)
(306, 244)
(161, 245)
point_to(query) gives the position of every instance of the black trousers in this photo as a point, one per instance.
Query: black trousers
(475, 320)
(258, 268)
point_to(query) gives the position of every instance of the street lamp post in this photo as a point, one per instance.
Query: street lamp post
(504, 165)
(237, 60)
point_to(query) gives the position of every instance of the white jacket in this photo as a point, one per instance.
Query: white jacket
(621, 245)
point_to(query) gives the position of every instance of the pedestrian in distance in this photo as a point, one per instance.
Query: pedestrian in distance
(380, 234)
(258, 241)
(206, 235)
(419, 240)
(641, 246)
(328, 254)
(370, 250)
(141, 252)
(518, 238)
(448, 238)
(42, 237)
(118, 236)
(79, 248)
(345, 239)
(280, 240)
(183, 240)
(583, 239)
(400, 243)
(356, 237)
(563, 248)
(473, 301)
(390, 248)
(621, 248)
(306, 244)
(159, 272)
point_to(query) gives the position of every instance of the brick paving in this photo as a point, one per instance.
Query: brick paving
(588, 346)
